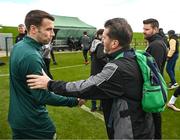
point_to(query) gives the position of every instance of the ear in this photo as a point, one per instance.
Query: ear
(115, 44)
(33, 29)
(156, 30)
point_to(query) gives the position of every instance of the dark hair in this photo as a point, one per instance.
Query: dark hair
(21, 25)
(119, 29)
(85, 33)
(161, 32)
(35, 17)
(154, 23)
(99, 32)
(171, 32)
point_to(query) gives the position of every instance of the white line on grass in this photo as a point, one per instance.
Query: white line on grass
(96, 114)
(67, 67)
(5, 75)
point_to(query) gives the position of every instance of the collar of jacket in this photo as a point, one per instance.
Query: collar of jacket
(113, 55)
(154, 37)
(33, 42)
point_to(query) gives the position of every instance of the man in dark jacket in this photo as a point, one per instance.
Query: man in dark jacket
(120, 80)
(158, 49)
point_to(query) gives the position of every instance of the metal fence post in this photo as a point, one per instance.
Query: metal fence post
(6, 44)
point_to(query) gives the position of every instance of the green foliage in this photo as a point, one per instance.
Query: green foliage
(9, 29)
(74, 123)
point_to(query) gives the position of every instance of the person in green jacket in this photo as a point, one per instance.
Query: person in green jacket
(28, 116)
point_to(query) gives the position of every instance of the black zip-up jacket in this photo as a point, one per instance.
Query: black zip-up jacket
(121, 81)
(20, 37)
(158, 49)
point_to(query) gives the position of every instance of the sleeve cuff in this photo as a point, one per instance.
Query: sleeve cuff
(49, 85)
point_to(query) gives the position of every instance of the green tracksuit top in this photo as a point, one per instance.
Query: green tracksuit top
(27, 108)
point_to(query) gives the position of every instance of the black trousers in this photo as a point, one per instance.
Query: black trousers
(85, 55)
(177, 92)
(106, 107)
(47, 62)
(52, 55)
(157, 125)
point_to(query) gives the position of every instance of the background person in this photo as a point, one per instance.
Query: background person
(171, 103)
(163, 35)
(85, 44)
(47, 58)
(22, 32)
(172, 57)
(98, 60)
(158, 49)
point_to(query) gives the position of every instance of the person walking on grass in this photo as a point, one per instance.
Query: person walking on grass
(85, 44)
(171, 103)
(172, 55)
(28, 116)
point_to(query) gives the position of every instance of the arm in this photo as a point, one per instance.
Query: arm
(172, 45)
(157, 51)
(95, 87)
(49, 98)
(34, 65)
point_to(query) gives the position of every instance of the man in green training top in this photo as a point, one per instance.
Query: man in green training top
(28, 116)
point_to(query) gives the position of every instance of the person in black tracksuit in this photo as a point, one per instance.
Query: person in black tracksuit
(158, 49)
(98, 61)
(120, 80)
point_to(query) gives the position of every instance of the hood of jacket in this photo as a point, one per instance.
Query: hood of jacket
(154, 37)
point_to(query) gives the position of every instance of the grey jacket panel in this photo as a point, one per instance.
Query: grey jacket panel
(93, 81)
(121, 123)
